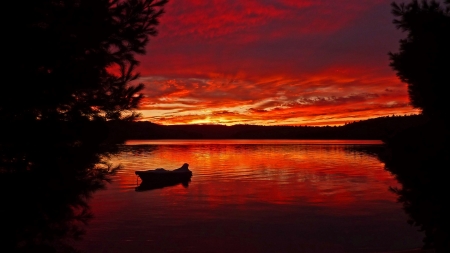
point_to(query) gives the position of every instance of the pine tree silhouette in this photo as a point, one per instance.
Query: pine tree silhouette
(423, 60)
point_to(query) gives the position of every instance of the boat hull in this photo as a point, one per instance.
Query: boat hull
(162, 183)
(166, 176)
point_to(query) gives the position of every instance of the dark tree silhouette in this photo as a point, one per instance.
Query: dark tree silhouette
(70, 66)
(423, 60)
(73, 60)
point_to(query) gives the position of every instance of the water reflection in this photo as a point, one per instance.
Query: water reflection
(252, 197)
(243, 197)
(162, 183)
(420, 169)
(44, 191)
(322, 174)
(252, 142)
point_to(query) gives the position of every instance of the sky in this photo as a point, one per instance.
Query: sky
(272, 62)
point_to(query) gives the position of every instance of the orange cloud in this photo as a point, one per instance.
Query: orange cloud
(272, 62)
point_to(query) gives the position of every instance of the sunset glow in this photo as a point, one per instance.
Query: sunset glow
(276, 62)
(307, 165)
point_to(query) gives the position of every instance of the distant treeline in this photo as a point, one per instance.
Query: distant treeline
(376, 128)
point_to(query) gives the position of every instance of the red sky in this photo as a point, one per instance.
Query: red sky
(272, 62)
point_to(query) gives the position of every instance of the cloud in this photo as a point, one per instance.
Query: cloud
(272, 62)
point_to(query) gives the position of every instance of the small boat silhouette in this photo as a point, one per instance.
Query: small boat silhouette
(160, 178)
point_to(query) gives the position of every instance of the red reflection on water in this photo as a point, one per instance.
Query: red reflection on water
(250, 141)
(301, 191)
(321, 175)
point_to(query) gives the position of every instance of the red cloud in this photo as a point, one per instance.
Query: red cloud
(272, 62)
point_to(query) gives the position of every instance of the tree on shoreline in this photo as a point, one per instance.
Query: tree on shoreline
(423, 60)
(71, 63)
(415, 155)
(73, 60)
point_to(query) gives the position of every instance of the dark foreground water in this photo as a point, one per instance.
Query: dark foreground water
(251, 196)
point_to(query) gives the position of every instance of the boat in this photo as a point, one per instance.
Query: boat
(159, 184)
(163, 176)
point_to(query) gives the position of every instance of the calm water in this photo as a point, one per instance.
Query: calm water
(251, 196)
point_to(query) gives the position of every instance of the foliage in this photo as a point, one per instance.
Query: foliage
(416, 155)
(71, 64)
(73, 60)
(375, 128)
(423, 60)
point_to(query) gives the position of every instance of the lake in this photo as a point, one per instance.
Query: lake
(251, 196)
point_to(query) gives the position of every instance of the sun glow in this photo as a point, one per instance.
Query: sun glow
(288, 65)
